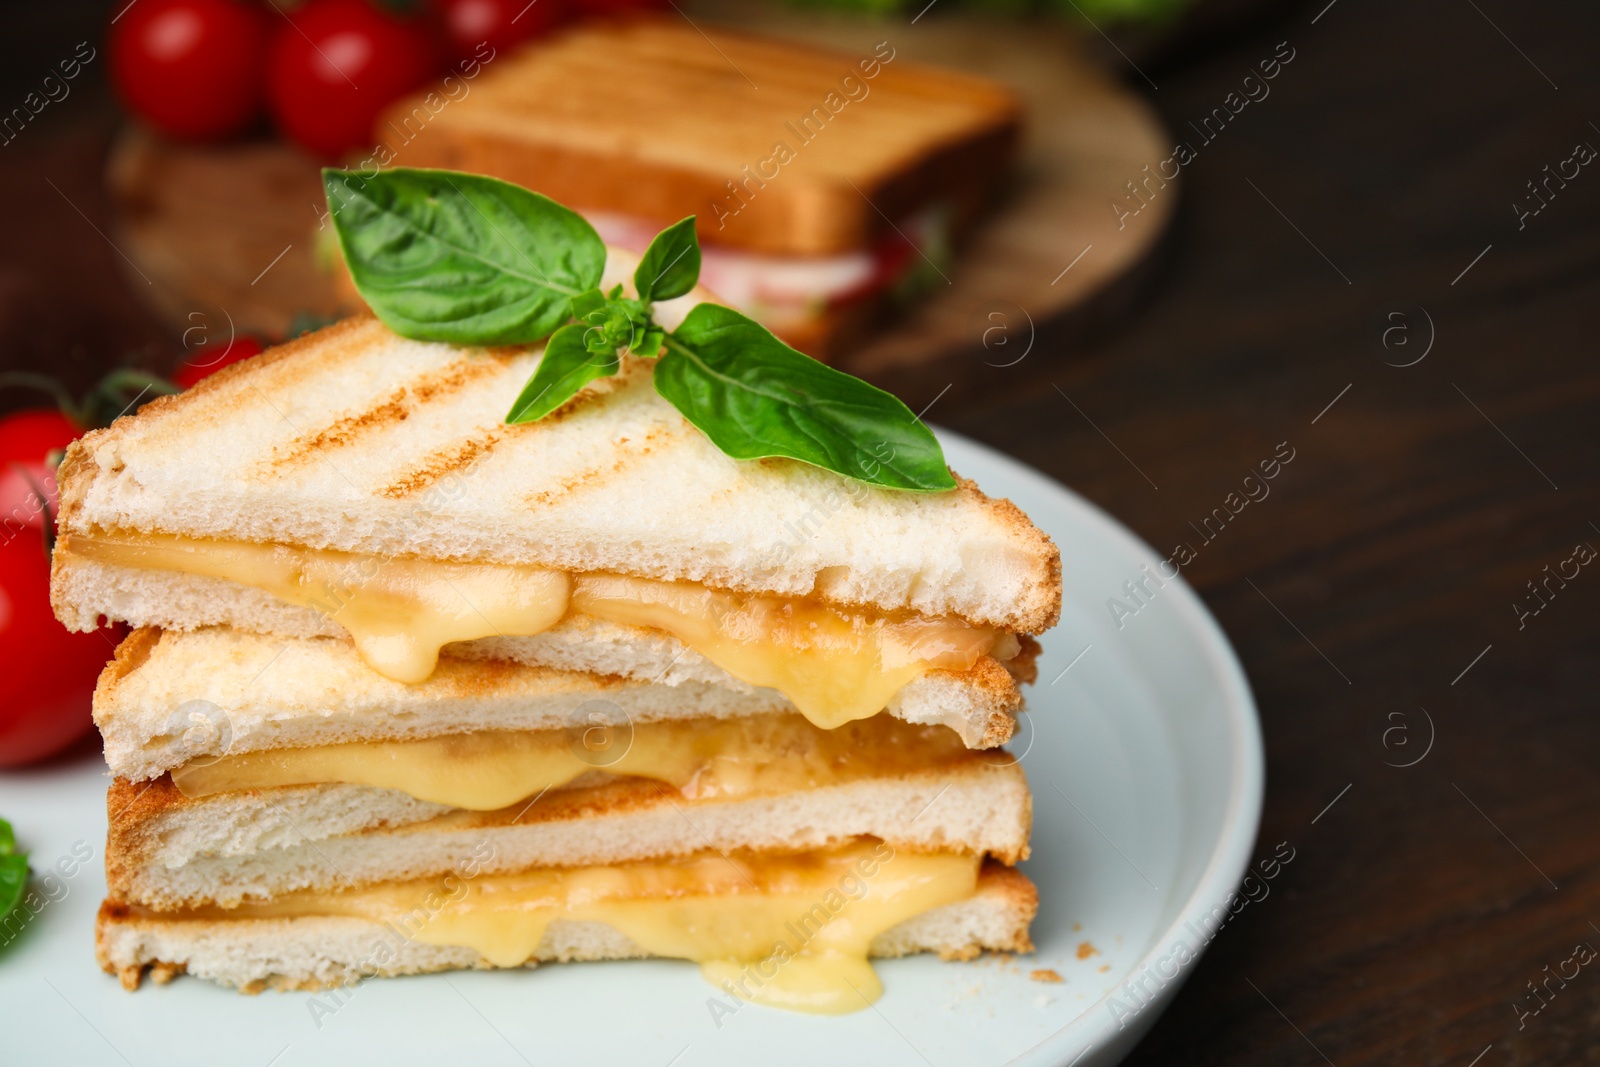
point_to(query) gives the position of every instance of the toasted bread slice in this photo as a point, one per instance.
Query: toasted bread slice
(167, 851)
(776, 147)
(317, 953)
(264, 692)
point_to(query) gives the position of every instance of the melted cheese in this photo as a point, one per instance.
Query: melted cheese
(762, 755)
(790, 931)
(399, 611)
(835, 665)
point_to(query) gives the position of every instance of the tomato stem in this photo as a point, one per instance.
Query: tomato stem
(47, 384)
(111, 397)
(119, 391)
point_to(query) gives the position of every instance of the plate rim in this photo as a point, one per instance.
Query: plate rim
(1230, 854)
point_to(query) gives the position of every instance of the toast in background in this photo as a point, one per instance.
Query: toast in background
(822, 181)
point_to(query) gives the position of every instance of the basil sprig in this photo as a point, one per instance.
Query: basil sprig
(444, 256)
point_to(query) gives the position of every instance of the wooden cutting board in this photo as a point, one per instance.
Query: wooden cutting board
(228, 234)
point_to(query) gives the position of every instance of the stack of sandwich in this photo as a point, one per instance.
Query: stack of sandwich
(414, 690)
(825, 184)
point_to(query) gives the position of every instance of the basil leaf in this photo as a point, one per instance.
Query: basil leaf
(442, 256)
(13, 871)
(585, 303)
(566, 367)
(13, 881)
(754, 396)
(671, 265)
(649, 345)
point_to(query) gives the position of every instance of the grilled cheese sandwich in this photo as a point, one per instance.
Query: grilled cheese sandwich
(579, 689)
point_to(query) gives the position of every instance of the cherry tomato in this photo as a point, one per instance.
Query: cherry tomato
(27, 440)
(50, 673)
(192, 68)
(500, 23)
(340, 64)
(207, 361)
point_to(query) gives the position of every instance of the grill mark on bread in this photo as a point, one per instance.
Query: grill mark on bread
(506, 353)
(343, 431)
(456, 375)
(442, 462)
(224, 392)
(344, 339)
(395, 408)
(627, 454)
(295, 364)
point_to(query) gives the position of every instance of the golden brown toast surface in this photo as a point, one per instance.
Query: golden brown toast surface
(776, 147)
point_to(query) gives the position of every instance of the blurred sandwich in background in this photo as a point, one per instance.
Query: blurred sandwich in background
(827, 185)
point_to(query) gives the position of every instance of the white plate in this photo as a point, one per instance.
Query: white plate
(1145, 760)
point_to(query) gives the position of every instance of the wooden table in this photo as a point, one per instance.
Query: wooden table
(1372, 595)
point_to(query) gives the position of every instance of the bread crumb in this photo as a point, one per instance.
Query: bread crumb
(1085, 950)
(1076, 927)
(1104, 967)
(1044, 1001)
(1045, 974)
